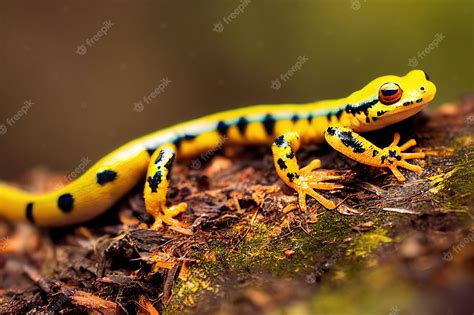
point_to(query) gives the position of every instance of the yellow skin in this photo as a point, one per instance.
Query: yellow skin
(382, 102)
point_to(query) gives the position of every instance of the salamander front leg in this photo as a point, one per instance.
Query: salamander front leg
(304, 180)
(156, 187)
(361, 150)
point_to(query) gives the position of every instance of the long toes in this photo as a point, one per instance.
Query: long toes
(410, 156)
(410, 143)
(396, 139)
(414, 168)
(398, 174)
(171, 222)
(175, 210)
(302, 200)
(326, 186)
(328, 204)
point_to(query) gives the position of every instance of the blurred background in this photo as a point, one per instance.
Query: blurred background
(80, 78)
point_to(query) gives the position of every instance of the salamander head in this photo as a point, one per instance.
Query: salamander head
(390, 99)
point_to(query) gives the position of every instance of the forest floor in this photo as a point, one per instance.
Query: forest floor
(390, 248)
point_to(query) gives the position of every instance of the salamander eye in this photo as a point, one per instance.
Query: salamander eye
(390, 93)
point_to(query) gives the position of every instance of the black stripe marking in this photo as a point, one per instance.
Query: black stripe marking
(292, 176)
(159, 157)
(419, 100)
(169, 166)
(280, 141)
(177, 142)
(29, 212)
(222, 128)
(188, 137)
(66, 203)
(151, 151)
(242, 125)
(282, 164)
(361, 108)
(105, 177)
(374, 153)
(347, 138)
(269, 124)
(154, 181)
(331, 131)
(310, 118)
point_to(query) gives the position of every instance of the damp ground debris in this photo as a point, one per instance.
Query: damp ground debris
(390, 248)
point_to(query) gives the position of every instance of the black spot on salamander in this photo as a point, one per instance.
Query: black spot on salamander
(398, 157)
(374, 153)
(374, 118)
(392, 153)
(280, 141)
(269, 124)
(242, 125)
(169, 166)
(290, 155)
(295, 118)
(339, 113)
(331, 131)
(222, 128)
(154, 181)
(105, 177)
(382, 159)
(29, 212)
(150, 151)
(367, 119)
(177, 142)
(66, 203)
(282, 164)
(347, 138)
(361, 108)
(419, 100)
(310, 118)
(329, 116)
(159, 157)
(381, 112)
(292, 176)
(188, 137)
(407, 103)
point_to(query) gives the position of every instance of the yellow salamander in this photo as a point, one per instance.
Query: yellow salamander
(384, 101)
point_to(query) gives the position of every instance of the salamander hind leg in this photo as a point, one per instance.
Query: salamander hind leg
(305, 180)
(156, 187)
(361, 150)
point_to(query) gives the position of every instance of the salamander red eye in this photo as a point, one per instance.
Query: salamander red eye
(390, 93)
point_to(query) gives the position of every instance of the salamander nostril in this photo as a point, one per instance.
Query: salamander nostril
(427, 77)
